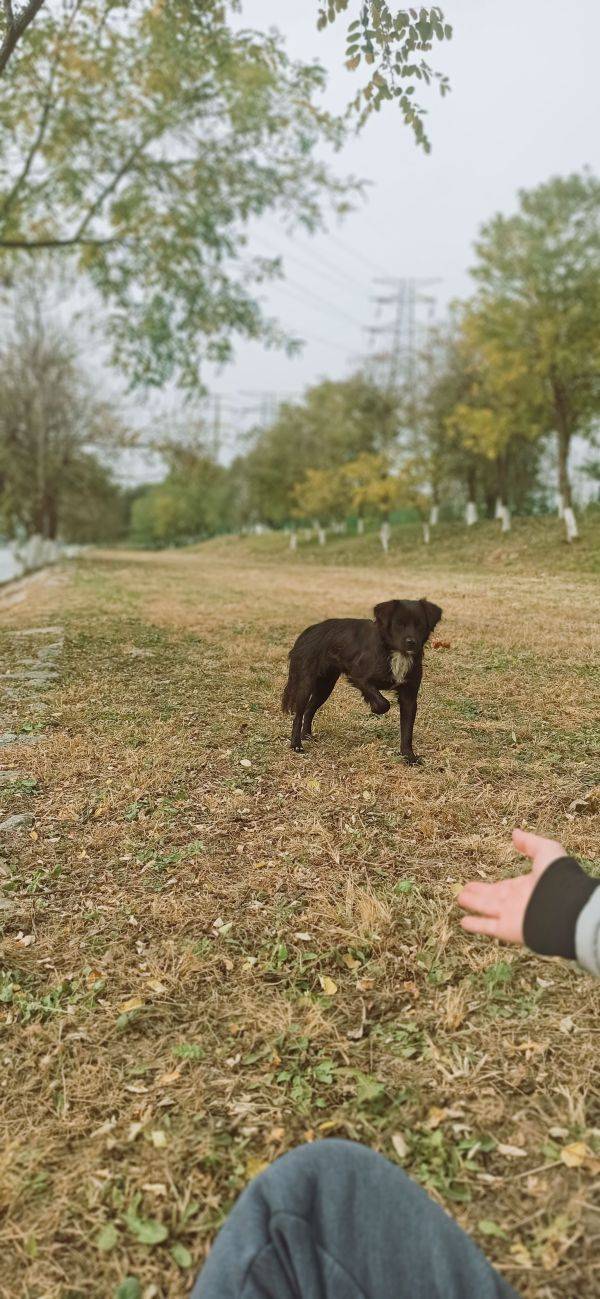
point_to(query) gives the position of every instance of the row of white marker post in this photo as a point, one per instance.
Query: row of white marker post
(502, 514)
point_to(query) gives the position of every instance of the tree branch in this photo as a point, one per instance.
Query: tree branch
(15, 27)
(71, 242)
(46, 110)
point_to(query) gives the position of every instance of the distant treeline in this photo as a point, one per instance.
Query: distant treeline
(483, 420)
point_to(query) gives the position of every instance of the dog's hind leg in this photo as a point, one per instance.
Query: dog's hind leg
(320, 693)
(302, 699)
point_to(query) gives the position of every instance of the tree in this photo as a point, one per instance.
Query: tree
(13, 25)
(49, 420)
(194, 501)
(335, 422)
(391, 43)
(142, 138)
(500, 409)
(539, 306)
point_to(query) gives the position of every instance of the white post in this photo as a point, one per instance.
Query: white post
(570, 523)
(434, 516)
(293, 539)
(384, 537)
(505, 517)
(322, 535)
(560, 505)
(499, 511)
(360, 526)
(471, 514)
(426, 533)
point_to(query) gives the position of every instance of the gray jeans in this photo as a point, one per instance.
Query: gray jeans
(335, 1220)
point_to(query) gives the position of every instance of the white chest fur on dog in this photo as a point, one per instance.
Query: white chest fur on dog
(400, 665)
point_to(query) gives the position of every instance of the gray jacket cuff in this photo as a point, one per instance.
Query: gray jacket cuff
(587, 934)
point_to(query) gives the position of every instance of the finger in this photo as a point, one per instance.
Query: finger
(480, 897)
(526, 843)
(487, 925)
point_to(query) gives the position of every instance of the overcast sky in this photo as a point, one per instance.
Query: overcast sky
(524, 106)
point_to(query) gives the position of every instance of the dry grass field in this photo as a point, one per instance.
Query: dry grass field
(213, 949)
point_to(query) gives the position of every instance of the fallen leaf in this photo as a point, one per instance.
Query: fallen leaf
(435, 1116)
(350, 962)
(521, 1254)
(157, 986)
(255, 1165)
(399, 1145)
(575, 1155)
(511, 1152)
(134, 1003)
(167, 1078)
(158, 1138)
(328, 985)
(411, 989)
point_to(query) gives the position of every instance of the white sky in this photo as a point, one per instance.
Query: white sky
(524, 106)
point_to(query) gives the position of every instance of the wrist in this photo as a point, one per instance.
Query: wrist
(551, 915)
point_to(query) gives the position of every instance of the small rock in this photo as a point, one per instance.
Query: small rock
(40, 631)
(20, 821)
(10, 738)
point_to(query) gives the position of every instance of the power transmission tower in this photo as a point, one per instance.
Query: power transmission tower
(398, 362)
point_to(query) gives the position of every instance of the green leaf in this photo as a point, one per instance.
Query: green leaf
(323, 1072)
(181, 1256)
(130, 1288)
(147, 1230)
(189, 1051)
(368, 1089)
(489, 1228)
(107, 1237)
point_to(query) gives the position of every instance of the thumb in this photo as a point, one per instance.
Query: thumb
(526, 843)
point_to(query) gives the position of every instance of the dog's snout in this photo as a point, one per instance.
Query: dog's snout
(411, 644)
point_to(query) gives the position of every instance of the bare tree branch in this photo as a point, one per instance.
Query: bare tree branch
(15, 27)
(71, 242)
(45, 115)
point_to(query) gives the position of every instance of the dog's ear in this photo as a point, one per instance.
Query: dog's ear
(384, 614)
(433, 614)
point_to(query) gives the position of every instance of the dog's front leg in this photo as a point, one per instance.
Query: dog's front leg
(407, 698)
(373, 697)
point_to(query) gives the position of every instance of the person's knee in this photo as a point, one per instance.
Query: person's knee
(309, 1175)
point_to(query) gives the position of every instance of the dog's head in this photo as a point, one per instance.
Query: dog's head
(405, 625)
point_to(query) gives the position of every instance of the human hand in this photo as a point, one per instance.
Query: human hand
(499, 909)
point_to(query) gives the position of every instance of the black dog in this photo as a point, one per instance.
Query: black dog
(383, 655)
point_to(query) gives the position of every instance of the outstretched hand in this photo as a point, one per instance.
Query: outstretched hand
(499, 909)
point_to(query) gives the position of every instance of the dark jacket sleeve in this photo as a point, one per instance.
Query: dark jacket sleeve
(563, 915)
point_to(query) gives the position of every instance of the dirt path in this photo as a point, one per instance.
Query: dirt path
(213, 949)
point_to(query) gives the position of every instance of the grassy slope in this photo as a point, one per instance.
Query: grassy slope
(533, 546)
(190, 887)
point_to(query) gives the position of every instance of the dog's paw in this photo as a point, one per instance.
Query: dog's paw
(412, 760)
(297, 748)
(380, 709)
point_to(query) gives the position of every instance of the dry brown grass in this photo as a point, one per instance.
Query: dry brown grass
(177, 897)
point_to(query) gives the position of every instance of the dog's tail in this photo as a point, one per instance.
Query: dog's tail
(290, 693)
